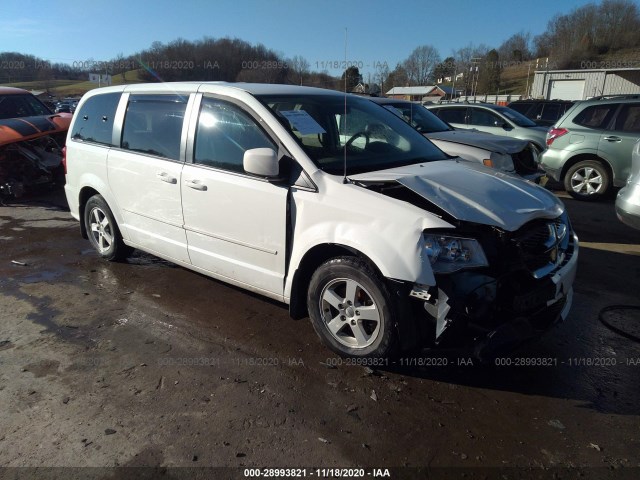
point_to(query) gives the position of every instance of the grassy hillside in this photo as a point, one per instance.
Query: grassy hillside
(72, 88)
(514, 78)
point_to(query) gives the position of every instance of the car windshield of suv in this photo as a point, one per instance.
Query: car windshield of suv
(419, 117)
(515, 117)
(331, 127)
(21, 105)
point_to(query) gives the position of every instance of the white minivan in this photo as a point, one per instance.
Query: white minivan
(326, 202)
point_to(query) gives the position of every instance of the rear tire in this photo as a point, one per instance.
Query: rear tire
(352, 310)
(103, 231)
(587, 180)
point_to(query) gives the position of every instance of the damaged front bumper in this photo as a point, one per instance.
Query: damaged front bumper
(30, 151)
(28, 163)
(494, 314)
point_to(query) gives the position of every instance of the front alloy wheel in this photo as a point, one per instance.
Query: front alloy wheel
(350, 313)
(351, 308)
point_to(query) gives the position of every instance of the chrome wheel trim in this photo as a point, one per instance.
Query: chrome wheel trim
(350, 313)
(100, 229)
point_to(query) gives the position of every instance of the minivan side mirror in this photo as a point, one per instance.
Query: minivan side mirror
(262, 162)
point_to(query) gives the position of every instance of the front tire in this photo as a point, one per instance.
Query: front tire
(587, 180)
(352, 310)
(103, 230)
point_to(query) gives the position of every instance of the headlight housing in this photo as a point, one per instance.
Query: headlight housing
(448, 254)
(500, 161)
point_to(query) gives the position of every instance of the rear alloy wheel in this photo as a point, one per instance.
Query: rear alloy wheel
(587, 180)
(351, 309)
(103, 231)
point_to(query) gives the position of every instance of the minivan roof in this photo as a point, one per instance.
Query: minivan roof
(252, 88)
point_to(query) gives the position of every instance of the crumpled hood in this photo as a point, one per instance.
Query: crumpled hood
(473, 193)
(487, 141)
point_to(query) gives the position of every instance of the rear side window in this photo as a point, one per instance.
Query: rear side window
(153, 125)
(523, 108)
(452, 115)
(629, 119)
(596, 116)
(224, 133)
(94, 121)
(484, 118)
(551, 112)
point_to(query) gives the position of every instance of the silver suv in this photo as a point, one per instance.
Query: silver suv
(589, 149)
(494, 119)
(507, 154)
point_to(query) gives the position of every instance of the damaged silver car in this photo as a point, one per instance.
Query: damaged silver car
(328, 203)
(510, 155)
(31, 141)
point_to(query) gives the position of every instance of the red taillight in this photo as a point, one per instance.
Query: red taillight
(64, 159)
(555, 133)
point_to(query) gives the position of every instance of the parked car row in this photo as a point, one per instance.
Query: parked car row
(587, 146)
(507, 154)
(66, 105)
(494, 119)
(327, 202)
(543, 112)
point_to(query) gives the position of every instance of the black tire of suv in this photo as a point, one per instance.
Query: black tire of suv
(602, 171)
(358, 270)
(118, 250)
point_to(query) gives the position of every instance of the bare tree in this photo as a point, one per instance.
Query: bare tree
(489, 74)
(589, 31)
(397, 78)
(381, 77)
(467, 60)
(298, 68)
(421, 64)
(516, 48)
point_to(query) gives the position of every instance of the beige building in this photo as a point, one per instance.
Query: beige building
(429, 93)
(584, 84)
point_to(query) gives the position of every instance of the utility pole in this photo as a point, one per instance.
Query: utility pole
(475, 75)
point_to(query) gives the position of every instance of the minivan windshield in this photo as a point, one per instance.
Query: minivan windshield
(332, 127)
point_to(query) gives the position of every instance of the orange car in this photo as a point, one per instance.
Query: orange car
(23, 117)
(31, 141)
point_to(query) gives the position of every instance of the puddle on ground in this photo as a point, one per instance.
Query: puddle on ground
(148, 260)
(138, 258)
(42, 276)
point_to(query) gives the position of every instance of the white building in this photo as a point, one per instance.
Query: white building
(584, 84)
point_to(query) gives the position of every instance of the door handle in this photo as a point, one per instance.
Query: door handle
(165, 177)
(196, 185)
(612, 138)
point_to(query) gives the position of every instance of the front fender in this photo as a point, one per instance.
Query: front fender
(386, 230)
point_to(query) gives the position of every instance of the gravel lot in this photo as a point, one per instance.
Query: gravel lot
(145, 364)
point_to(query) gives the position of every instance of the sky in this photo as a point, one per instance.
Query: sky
(376, 32)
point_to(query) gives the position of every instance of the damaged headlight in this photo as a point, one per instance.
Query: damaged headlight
(500, 161)
(449, 254)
